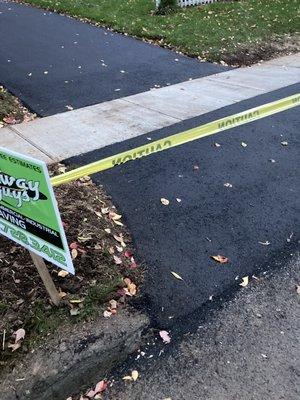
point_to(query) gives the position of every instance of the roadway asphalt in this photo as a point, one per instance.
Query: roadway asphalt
(249, 349)
(253, 223)
(52, 62)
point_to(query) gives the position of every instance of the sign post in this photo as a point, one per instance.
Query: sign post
(29, 214)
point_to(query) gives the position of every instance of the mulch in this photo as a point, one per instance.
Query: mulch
(103, 256)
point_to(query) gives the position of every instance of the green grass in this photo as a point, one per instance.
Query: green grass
(215, 32)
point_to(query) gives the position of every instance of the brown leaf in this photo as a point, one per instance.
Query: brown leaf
(220, 259)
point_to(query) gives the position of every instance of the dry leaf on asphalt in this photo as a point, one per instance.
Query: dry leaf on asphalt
(227, 184)
(243, 144)
(165, 202)
(298, 289)
(220, 259)
(176, 275)
(284, 143)
(134, 375)
(245, 281)
(165, 336)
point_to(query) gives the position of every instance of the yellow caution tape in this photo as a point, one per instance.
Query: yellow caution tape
(180, 138)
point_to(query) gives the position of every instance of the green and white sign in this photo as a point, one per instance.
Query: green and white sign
(28, 209)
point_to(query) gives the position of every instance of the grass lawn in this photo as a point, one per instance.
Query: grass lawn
(237, 32)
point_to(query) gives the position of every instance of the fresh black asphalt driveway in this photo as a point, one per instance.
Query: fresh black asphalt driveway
(242, 202)
(52, 62)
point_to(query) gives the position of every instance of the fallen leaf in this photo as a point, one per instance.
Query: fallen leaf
(266, 243)
(76, 301)
(284, 143)
(74, 311)
(105, 210)
(178, 200)
(113, 304)
(131, 287)
(119, 223)
(243, 144)
(106, 314)
(176, 275)
(128, 254)
(119, 248)
(100, 387)
(120, 239)
(62, 273)
(19, 334)
(14, 346)
(107, 230)
(74, 253)
(117, 260)
(165, 336)
(227, 184)
(127, 378)
(245, 281)
(114, 216)
(134, 375)
(165, 202)
(73, 245)
(11, 120)
(298, 289)
(220, 259)
(217, 145)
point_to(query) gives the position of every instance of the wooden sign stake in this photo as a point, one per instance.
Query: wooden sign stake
(46, 277)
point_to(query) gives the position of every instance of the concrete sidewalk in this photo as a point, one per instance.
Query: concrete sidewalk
(72, 133)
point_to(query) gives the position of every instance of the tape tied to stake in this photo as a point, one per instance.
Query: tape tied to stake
(178, 139)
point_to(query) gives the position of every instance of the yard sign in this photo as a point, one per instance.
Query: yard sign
(28, 209)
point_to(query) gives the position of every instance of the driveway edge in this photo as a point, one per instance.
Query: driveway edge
(74, 357)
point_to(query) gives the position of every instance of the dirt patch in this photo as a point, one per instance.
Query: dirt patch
(247, 55)
(103, 257)
(12, 110)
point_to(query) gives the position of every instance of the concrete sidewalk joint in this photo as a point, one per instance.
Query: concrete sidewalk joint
(72, 133)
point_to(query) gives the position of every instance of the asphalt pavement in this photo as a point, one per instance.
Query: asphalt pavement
(238, 201)
(249, 349)
(54, 63)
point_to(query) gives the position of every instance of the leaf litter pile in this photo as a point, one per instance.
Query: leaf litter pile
(107, 274)
(12, 110)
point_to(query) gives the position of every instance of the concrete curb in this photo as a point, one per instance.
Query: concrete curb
(75, 357)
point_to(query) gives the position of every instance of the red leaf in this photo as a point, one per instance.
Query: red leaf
(73, 246)
(128, 254)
